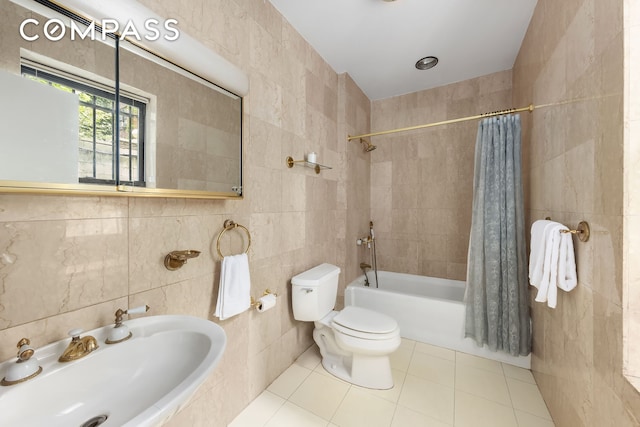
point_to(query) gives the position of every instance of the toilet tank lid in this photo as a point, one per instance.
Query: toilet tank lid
(313, 276)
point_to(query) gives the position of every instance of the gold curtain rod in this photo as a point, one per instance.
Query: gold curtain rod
(530, 109)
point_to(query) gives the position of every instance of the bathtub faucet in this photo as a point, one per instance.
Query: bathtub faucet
(364, 266)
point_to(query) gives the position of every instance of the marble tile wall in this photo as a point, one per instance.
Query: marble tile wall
(69, 262)
(357, 186)
(422, 180)
(631, 294)
(573, 156)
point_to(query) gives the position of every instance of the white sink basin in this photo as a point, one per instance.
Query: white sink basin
(140, 382)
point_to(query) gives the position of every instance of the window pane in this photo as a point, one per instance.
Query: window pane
(104, 144)
(104, 102)
(96, 131)
(85, 97)
(85, 159)
(129, 145)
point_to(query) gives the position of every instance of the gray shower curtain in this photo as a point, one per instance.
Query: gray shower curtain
(497, 310)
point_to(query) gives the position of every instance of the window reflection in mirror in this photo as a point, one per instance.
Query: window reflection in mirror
(176, 131)
(40, 123)
(96, 119)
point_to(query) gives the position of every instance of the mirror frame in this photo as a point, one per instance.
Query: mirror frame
(191, 48)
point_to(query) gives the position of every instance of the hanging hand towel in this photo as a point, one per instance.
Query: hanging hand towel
(234, 295)
(544, 277)
(567, 275)
(536, 259)
(552, 265)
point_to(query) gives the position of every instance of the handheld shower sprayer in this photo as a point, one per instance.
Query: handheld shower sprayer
(374, 259)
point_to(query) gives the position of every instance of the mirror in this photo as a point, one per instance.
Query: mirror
(177, 134)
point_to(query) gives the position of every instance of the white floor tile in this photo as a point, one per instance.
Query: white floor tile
(360, 408)
(291, 415)
(311, 358)
(432, 368)
(320, 370)
(407, 344)
(441, 352)
(393, 394)
(400, 359)
(320, 395)
(482, 393)
(527, 420)
(431, 399)
(482, 383)
(474, 411)
(289, 380)
(259, 412)
(405, 417)
(518, 373)
(526, 397)
(478, 362)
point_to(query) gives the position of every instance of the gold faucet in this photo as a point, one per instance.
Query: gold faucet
(78, 347)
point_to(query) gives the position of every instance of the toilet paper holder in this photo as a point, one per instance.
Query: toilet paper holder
(256, 303)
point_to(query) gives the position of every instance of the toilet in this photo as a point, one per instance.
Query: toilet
(355, 343)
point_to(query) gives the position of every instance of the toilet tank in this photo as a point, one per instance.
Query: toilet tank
(314, 292)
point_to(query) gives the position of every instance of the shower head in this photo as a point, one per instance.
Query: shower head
(366, 145)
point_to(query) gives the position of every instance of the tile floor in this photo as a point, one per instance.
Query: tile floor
(434, 387)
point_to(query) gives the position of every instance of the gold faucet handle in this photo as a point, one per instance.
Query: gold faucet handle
(136, 310)
(25, 351)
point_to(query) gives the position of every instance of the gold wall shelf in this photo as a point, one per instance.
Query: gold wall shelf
(316, 166)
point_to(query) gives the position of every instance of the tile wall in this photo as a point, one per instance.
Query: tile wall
(72, 261)
(631, 269)
(573, 155)
(69, 262)
(422, 180)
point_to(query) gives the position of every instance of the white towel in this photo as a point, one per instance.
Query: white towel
(234, 295)
(567, 275)
(536, 259)
(552, 261)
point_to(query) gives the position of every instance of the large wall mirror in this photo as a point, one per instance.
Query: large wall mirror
(173, 134)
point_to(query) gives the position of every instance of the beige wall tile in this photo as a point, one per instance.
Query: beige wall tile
(575, 159)
(72, 261)
(431, 173)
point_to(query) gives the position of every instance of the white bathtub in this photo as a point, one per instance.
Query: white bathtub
(427, 309)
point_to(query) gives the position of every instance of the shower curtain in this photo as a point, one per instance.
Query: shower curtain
(497, 310)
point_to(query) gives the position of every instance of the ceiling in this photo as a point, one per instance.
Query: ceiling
(378, 42)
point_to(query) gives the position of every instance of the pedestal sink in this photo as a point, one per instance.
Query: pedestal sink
(139, 382)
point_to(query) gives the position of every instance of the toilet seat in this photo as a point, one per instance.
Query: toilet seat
(365, 324)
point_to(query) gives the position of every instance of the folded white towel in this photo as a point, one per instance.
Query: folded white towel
(567, 275)
(552, 261)
(536, 259)
(234, 295)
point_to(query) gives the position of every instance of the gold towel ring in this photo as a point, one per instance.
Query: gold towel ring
(229, 225)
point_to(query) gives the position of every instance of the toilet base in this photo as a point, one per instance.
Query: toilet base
(358, 370)
(369, 371)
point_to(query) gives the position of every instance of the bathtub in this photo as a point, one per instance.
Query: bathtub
(427, 309)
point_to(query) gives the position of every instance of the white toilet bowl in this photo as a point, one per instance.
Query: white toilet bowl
(355, 345)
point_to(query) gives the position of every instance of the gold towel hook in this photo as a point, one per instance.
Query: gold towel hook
(230, 225)
(582, 230)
